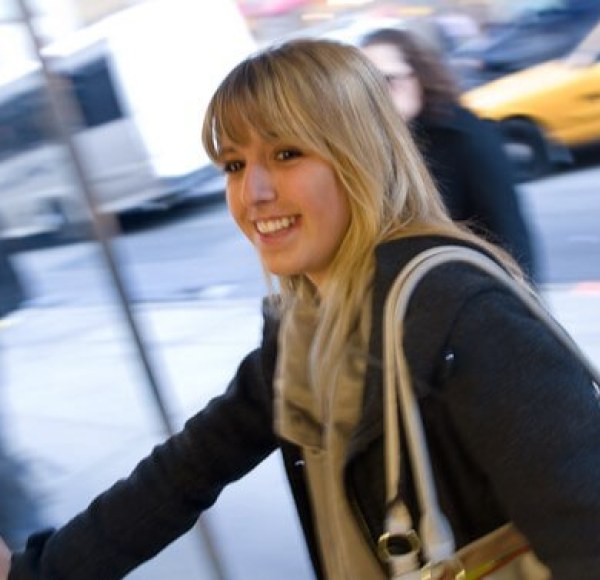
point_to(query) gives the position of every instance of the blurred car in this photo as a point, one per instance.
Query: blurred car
(265, 8)
(545, 111)
(533, 37)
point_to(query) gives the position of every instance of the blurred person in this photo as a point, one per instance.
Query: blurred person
(19, 512)
(463, 153)
(325, 181)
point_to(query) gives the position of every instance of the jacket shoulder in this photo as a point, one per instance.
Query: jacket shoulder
(436, 303)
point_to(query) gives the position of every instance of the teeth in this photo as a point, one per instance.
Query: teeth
(272, 226)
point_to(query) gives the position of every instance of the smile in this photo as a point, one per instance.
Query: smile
(275, 225)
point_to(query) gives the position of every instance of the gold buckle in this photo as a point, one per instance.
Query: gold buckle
(387, 542)
(447, 570)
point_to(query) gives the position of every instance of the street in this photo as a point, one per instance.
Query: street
(196, 252)
(563, 212)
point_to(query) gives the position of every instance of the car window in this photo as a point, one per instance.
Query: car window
(587, 51)
(591, 43)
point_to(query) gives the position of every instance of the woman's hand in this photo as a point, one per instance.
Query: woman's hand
(5, 556)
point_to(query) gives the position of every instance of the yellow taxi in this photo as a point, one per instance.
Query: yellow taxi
(547, 110)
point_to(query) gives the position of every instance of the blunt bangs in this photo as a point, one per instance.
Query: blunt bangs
(330, 100)
(260, 96)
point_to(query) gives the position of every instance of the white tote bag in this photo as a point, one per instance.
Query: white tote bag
(504, 554)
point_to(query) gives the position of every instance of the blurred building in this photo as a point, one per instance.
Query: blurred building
(286, 15)
(133, 79)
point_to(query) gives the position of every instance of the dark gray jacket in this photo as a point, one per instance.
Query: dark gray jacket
(466, 158)
(512, 422)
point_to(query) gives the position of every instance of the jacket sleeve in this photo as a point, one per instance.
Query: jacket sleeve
(166, 492)
(493, 193)
(528, 414)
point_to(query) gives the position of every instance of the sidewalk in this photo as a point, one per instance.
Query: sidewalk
(81, 415)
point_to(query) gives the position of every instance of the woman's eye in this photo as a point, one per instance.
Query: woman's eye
(232, 166)
(287, 154)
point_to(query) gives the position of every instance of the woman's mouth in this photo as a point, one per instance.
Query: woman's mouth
(273, 226)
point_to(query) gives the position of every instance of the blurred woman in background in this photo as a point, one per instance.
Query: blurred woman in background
(463, 153)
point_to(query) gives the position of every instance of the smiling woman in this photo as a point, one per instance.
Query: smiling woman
(325, 181)
(288, 203)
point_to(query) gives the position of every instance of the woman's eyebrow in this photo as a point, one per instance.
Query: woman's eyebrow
(228, 149)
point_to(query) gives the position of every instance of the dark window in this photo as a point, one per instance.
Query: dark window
(95, 93)
(25, 122)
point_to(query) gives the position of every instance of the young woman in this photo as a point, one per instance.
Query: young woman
(463, 153)
(326, 183)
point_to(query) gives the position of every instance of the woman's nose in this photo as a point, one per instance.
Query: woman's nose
(257, 186)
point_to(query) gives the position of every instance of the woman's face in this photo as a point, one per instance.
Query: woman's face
(289, 204)
(404, 87)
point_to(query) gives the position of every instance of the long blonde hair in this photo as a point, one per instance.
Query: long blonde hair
(328, 98)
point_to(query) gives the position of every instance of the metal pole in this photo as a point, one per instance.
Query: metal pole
(104, 227)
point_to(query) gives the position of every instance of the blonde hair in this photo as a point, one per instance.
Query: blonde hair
(329, 98)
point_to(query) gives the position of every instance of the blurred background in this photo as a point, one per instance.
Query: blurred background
(127, 295)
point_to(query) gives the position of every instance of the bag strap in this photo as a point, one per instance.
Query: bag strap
(434, 530)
